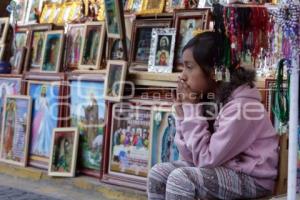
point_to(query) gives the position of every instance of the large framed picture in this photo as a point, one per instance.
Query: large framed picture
(163, 130)
(87, 112)
(52, 51)
(15, 130)
(115, 80)
(152, 6)
(93, 45)
(141, 41)
(36, 41)
(187, 23)
(46, 115)
(34, 7)
(162, 50)
(63, 155)
(4, 26)
(74, 42)
(114, 14)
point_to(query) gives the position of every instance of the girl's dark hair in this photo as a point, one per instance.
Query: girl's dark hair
(208, 51)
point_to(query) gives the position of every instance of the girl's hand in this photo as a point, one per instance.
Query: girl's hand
(185, 94)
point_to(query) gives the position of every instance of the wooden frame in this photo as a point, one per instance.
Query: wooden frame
(137, 27)
(86, 86)
(15, 129)
(35, 47)
(60, 39)
(3, 29)
(157, 7)
(202, 23)
(31, 10)
(52, 80)
(115, 27)
(114, 67)
(84, 64)
(74, 140)
(162, 50)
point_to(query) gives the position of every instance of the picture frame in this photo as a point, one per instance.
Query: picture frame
(133, 6)
(57, 9)
(115, 80)
(46, 14)
(116, 50)
(91, 51)
(4, 26)
(21, 12)
(69, 12)
(74, 42)
(17, 67)
(141, 41)
(163, 130)
(51, 60)
(152, 6)
(47, 107)
(171, 5)
(2, 50)
(36, 41)
(64, 148)
(114, 13)
(162, 50)
(187, 22)
(15, 130)
(34, 6)
(87, 112)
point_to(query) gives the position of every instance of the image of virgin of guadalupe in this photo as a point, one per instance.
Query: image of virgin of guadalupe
(63, 155)
(75, 48)
(169, 151)
(51, 54)
(38, 49)
(91, 47)
(9, 128)
(163, 51)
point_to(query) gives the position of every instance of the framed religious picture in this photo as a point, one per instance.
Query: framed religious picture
(36, 42)
(74, 42)
(45, 117)
(8, 86)
(87, 112)
(57, 10)
(93, 45)
(17, 68)
(113, 13)
(20, 14)
(174, 4)
(115, 80)
(4, 26)
(34, 7)
(116, 51)
(188, 23)
(163, 130)
(129, 142)
(152, 6)
(2, 50)
(52, 51)
(63, 155)
(141, 40)
(47, 12)
(162, 50)
(133, 6)
(69, 12)
(15, 130)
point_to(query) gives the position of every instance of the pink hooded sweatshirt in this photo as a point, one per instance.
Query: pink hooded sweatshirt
(244, 139)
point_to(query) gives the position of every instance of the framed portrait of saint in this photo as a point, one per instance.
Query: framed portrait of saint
(113, 13)
(141, 40)
(163, 130)
(116, 50)
(93, 45)
(48, 10)
(162, 50)
(87, 112)
(152, 6)
(4, 26)
(115, 80)
(187, 24)
(20, 12)
(52, 51)
(34, 6)
(15, 130)
(74, 42)
(63, 157)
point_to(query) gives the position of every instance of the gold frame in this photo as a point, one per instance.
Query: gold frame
(46, 13)
(70, 17)
(74, 153)
(27, 131)
(146, 10)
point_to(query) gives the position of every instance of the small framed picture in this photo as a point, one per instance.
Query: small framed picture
(16, 130)
(20, 41)
(133, 6)
(116, 50)
(34, 7)
(115, 80)
(63, 155)
(69, 12)
(187, 23)
(174, 4)
(152, 6)
(163, 130)
(2, 50)
(21, 12)
(57, 10)
(47, 11)
(141, 40)
(18, 61)
(93, 45)
(113, 13)
(74, 42)
(162, 50)
(52, 51)
(4, 25)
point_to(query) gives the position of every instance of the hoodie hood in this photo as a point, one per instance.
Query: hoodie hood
(245, 91)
